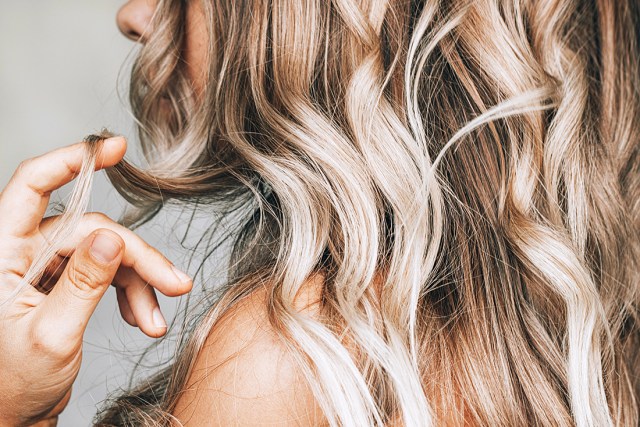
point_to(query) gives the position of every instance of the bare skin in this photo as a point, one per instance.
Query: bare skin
(44, 331)
(246, 376)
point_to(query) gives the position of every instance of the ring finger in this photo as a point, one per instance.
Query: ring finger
(138, 299)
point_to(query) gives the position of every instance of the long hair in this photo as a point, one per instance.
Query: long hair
(464, 174)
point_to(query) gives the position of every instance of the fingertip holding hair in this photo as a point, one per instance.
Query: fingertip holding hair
(100, 136)
(71, 215)
(125, 177)
(108, 148)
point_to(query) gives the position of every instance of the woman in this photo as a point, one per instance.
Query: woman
(442, 224)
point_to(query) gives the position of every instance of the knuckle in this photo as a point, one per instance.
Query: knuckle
(147, 248)
(44, 340)
(97, 218)
(147, 253)
(85, 280)
(25, 167)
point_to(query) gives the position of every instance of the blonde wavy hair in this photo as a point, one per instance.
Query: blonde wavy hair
(464, 174)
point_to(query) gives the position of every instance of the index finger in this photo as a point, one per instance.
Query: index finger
(24, 200)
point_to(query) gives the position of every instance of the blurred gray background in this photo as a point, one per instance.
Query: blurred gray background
(60, 62)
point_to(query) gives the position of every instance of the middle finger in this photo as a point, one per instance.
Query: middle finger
(148, 262)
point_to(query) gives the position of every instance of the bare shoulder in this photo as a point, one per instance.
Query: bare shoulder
(245, 376)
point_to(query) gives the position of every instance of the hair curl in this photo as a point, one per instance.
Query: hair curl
(479, 158)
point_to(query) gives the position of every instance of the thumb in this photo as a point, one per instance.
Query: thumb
(87, 276)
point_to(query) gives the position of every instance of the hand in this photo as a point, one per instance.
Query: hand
(41, 328)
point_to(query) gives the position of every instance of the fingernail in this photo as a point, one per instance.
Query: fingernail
(104, 248)
(158, 319)
(180, 275)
